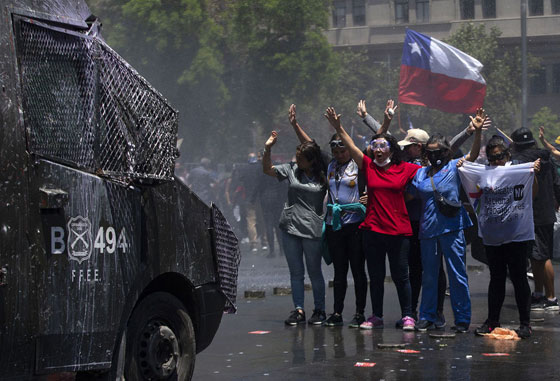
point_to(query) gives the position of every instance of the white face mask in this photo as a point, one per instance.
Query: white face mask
(383, 164)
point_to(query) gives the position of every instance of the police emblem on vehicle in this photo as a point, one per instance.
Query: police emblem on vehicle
(79, 245)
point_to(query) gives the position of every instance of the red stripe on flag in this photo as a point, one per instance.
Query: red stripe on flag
(424, 88)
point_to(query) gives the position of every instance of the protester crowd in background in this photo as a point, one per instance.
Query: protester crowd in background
(358, 203)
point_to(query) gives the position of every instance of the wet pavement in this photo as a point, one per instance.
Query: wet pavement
(255, 344)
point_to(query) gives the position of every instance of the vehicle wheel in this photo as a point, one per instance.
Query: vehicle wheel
(160, 342)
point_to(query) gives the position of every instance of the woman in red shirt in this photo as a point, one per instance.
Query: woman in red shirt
(386, 226)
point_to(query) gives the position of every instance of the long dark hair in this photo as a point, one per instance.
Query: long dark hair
(397, 154)
(312, 153)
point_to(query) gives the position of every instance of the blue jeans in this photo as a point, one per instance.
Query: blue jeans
(452, 247)
(295, 249)
(376, 245)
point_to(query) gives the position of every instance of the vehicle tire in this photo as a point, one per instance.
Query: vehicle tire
(160, 341)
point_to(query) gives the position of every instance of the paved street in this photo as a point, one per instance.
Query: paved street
(321, 353)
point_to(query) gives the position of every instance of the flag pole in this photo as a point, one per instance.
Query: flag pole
(399, 118)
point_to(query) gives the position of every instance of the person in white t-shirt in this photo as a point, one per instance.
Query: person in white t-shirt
(501, 195)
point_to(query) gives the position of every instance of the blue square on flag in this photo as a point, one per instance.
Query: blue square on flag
(416, 50)
(437, 75)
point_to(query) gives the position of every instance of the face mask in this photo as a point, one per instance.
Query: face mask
(384, 163)
(436, 157)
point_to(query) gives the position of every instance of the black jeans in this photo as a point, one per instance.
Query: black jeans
(376, 245)
(415, 272)
(513, 257)
(345, 248)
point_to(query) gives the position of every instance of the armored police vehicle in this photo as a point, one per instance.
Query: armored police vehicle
(110, 268)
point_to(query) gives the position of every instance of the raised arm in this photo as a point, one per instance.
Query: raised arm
(464, 135)
(268, 168)
(368, 120)
(547, 145)
(355, 152)
(390, 109)
(477, 122)
(302, 136)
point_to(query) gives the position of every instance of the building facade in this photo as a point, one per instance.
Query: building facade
(379, 26)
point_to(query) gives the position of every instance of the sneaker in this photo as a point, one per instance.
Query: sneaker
(373, 322)
(461, 328)
(408, 323)
(440, 321)
(485, 328)
(296, 317)
(524, 331)
(264, 248)
(317, 318)
(424, 325)
(550, 305)
(333, 320)
(357, 320)
(537, 303)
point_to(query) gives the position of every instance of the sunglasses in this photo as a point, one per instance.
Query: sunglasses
(379, 144)
(496, 157)
(336, 144)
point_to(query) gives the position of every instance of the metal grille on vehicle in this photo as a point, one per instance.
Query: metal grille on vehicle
(84, 106)
(228, 257)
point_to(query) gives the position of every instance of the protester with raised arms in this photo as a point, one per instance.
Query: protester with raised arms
(386, 227)
(501, 195)
(301, 223)
(441, 228)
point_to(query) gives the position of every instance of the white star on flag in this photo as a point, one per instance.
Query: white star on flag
(414, 48)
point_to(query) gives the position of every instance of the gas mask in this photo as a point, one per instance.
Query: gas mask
(437, 157)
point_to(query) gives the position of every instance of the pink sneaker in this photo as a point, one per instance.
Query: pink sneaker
(373, 322)
(408, 323)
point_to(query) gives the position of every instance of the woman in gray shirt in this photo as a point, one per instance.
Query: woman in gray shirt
(301, 224)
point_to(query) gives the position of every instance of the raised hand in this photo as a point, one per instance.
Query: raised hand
(537, 165)
(485, 126)
(479, 118)
(541, 132)
(333, 117)
(292, 114)
(390, 109)
(362, 111)
(271, 140)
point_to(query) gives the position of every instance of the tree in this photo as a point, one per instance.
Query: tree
(502, 72)
(550, 121)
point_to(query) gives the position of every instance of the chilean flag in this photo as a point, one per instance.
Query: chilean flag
(437, 75)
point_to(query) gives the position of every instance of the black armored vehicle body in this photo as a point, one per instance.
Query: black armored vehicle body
(110, 267)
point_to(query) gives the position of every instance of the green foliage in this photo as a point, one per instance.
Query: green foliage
(232, 68)
(502, 72)
(547, 119)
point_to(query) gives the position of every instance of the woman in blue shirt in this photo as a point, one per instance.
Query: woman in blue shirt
(443, 235)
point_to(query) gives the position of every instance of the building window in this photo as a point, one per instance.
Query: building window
(536, 8)
(489, 9)
(401, 11)
(359, 12)
(555, 7)
(556, 78)
(422, 10)
(467, 9)
(537, 84)
(339, 14)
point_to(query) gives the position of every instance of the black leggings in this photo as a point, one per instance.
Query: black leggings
(415, 272)
(513, 257)
(345, 248)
